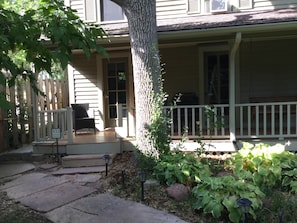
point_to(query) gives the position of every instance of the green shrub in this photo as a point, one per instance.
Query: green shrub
(280, 207)
(267, 166)
(179, 167)
(215, 195)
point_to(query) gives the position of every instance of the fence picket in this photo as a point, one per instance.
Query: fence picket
(17, 125)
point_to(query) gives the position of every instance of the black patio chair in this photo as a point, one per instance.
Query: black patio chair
(81, 119)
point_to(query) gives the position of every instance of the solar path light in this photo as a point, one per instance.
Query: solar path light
(106, 158)
(245, 205)
(142, 176)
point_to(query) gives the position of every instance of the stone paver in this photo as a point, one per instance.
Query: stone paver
(30, 177)
(10, 169)
(33, 186)
(64, 171)
(87, 178)
(55, 197)
(108, 208)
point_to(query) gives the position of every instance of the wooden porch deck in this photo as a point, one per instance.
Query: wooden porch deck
(86, 142)
(88, 137)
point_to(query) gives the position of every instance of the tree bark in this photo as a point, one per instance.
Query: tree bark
(141, 16)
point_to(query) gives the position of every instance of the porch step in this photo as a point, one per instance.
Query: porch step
(86, 160)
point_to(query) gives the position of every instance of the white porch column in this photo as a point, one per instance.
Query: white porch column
(232, 87)
(35, 116)
(69, 125)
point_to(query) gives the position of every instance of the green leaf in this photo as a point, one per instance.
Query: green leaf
(235, 216)
(263, 170)
(217, 210)
(256, 161)
(293, 185)
(209, 207)
(286, 181)
(186, 172)
(229, 202)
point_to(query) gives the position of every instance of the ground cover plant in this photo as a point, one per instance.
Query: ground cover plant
(261, 173)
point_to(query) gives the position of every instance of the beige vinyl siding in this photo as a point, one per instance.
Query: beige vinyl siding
(268, 68)
(85, 81)
(171, 8)
(274, 4)
(78, 5)
(181, 70)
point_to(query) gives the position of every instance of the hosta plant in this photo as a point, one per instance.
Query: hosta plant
(216, 195)
(267, 166)
(179, 167)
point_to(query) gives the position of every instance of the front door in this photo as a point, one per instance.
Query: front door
(116, 73)
(216, 69)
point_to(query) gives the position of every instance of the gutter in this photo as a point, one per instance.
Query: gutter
(206, 32)
(219, 31)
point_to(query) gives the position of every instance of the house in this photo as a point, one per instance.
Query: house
(233, 61)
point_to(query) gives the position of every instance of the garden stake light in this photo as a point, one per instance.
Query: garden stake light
(106, 157)
(123, 178)
(245, 205)
(142, 180)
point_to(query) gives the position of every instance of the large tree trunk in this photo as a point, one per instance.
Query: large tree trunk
(141, 15)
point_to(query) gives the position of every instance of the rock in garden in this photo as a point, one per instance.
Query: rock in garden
(178, 191)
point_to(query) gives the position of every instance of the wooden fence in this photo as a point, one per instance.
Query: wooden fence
(16, 124)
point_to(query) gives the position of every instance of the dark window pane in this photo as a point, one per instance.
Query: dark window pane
(122, 97)
(112, 98)
(111, 70)
(121, 67)
(112, 112)
(125, 112)
(111, 11)
(121, 85)
(112, 85)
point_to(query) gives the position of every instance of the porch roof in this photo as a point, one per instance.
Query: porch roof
(213, 22)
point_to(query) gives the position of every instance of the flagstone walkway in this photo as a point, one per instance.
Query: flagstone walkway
(70, 195)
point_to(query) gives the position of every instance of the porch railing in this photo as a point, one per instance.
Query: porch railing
(49, 119)
(266, 120)
(199, 121)
(252, 120)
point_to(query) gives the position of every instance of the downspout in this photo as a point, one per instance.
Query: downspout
(232, 87)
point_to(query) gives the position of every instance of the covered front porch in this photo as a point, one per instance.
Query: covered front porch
(271, 122)
(243, 82)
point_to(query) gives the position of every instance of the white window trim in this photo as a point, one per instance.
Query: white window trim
(199, 7)
(247, 7)
(95, 11)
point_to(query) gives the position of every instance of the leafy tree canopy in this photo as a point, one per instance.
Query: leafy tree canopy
(36, 34)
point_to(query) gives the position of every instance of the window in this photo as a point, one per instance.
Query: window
(219, 5)
(199, 6)
(110, 11)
